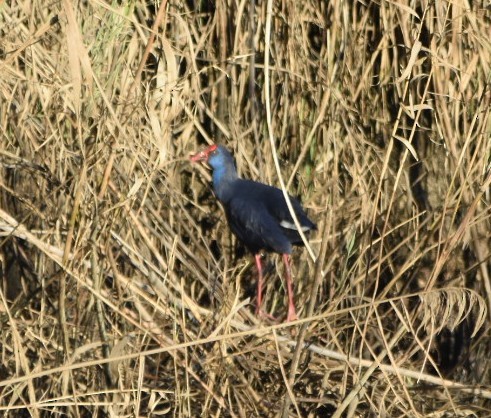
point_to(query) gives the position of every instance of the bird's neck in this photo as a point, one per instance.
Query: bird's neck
(223, 178)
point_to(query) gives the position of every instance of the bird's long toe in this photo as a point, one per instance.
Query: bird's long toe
(292, 315)
(264, 315)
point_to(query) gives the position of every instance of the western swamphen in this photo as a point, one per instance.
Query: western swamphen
(257, 215)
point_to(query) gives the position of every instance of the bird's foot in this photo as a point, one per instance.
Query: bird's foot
(264, 315)
(292, 315)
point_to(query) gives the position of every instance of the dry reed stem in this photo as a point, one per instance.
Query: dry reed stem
(114, 251)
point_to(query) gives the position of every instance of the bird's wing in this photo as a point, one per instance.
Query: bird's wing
(276, 205)
(252, 223)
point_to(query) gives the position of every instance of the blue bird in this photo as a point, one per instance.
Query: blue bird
(257, 214)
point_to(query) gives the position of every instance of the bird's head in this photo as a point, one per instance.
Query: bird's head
(224, 172)
(215, 155)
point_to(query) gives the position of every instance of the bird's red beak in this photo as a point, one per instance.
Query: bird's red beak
(203, 155)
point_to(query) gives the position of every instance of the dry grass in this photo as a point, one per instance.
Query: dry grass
(123, 293)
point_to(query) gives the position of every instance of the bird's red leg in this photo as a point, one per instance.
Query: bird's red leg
(259, 283)
(292, 316)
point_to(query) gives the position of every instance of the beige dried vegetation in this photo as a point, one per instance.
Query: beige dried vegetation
(123, 292)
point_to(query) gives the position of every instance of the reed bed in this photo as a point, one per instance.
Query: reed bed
(124, 293)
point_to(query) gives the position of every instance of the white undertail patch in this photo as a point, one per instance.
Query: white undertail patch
(291, 225)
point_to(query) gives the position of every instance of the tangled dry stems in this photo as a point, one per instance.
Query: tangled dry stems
(123, 291)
